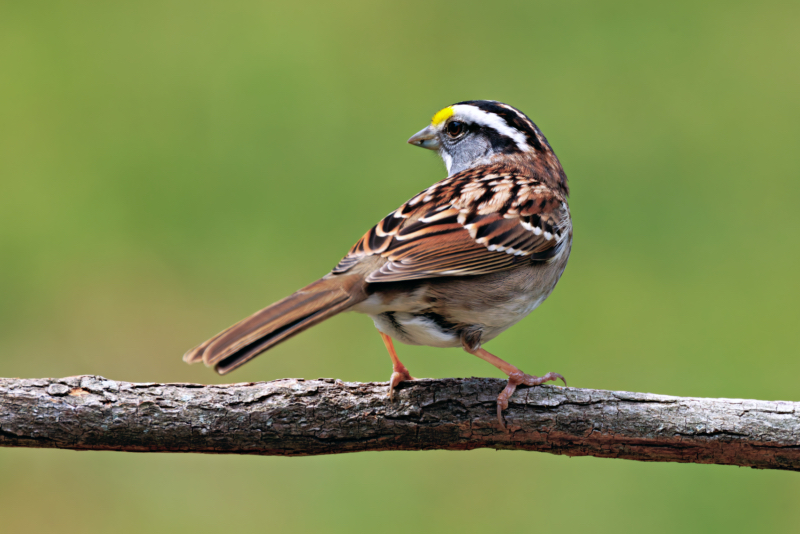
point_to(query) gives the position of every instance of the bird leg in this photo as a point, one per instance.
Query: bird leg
(515, 378)
(399, 371)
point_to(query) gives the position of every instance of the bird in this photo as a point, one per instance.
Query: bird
(454, 266)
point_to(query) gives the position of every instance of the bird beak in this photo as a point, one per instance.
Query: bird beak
(425, 138)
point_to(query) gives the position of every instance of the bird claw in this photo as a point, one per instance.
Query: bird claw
(396, 378)
(514, 380)
(530, 380)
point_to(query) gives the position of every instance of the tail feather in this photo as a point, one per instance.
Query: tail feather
(266, 328)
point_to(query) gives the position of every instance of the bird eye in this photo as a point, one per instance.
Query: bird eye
(455, 128)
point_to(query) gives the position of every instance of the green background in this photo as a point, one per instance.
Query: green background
(167, 168)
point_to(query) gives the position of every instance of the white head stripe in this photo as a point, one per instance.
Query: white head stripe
(518, 113)
(478, 116)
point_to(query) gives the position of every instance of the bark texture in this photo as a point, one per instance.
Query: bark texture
(295, 417)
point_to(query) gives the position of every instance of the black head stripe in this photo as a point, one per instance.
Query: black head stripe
(514, 118)
(501, 143)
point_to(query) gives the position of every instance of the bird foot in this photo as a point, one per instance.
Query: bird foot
(398, 375)
(515, 379)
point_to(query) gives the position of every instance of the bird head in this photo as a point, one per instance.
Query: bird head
(480, 132)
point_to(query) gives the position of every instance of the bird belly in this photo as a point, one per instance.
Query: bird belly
(496, 320)
(437, 312)
(414, 329)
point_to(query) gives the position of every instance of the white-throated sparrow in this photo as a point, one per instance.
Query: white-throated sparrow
(454, 266)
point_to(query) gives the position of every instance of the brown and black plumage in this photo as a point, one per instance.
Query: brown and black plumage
(454, 266)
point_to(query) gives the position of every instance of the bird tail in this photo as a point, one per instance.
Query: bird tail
(264, 329)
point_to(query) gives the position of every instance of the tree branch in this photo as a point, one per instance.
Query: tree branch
(295, 417)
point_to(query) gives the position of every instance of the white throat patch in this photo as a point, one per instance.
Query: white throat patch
(448, 160)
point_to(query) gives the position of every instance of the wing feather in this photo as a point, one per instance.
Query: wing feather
(474, 222)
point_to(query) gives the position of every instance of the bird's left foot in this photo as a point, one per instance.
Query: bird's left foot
(399, 374)
(516, 378)
(399, 371)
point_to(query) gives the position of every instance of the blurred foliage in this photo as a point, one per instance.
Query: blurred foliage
(166, 168)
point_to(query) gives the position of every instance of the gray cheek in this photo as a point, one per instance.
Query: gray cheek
(468, 153)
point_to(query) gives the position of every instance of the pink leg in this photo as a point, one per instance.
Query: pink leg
(399, 371)
(515, 378)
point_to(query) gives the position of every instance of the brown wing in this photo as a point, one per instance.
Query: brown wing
(475, 222)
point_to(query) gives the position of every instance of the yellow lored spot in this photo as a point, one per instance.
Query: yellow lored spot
(442, 116)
